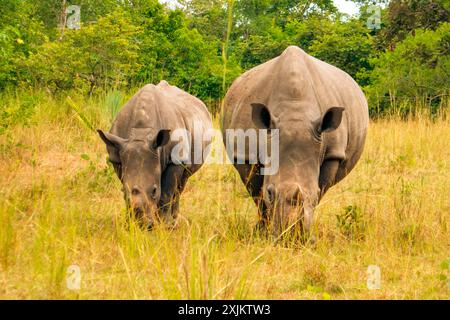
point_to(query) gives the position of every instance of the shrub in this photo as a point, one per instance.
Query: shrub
(414, 74)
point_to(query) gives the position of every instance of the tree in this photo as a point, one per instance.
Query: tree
(52, 12)
(403, 17)
(415, 73)
(207, 16)
(97, 55)
(347, 46)
(173, 50)
(20, 34)
(254, 17)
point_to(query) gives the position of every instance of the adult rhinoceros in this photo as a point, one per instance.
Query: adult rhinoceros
(140, 148)
(322, 117)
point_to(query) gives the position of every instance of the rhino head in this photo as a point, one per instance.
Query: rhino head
(138, 164)
(290, 195)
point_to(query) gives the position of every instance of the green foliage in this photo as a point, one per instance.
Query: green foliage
(124, 44)
(113, 102)
(403, 17)
(347, 46)
(20, 33)
(257, 16)
(171, 50)
(207, 16)
(7, 37)
(258, 49)
(17, 109)
(99, 55)
(416, 71)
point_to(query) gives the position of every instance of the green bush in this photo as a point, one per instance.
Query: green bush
(17, 109)
(123, 45)
(99, 55)
(416, 73)
(347, 46)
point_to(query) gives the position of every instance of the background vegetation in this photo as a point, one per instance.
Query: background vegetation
(123, 44)
(61, 204)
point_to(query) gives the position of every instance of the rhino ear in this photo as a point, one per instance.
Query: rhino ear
(111, 140)
(261, 116)
(331, 120)
(161, 139)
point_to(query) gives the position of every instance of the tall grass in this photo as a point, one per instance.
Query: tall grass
(62, 205)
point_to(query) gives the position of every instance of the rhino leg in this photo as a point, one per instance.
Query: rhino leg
(173, 182)
(253, 181)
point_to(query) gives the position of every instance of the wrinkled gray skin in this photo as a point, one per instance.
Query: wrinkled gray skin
(139, 146)
(322, 117)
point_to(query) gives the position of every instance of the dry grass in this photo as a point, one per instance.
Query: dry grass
(62, 205)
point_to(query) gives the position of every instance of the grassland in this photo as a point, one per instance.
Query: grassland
(61, 205)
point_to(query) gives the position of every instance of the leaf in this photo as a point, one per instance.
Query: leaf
(80, 115)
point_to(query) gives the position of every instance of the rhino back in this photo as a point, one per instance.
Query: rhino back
(162, 107)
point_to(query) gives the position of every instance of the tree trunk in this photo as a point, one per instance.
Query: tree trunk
(62, 19)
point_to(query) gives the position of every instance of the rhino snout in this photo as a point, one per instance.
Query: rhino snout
(289, 208)
(144, 205)
(144, 215)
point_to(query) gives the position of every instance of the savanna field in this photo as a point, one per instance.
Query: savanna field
(62, 205)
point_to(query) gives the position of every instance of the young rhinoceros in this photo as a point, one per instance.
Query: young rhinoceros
(140, 148)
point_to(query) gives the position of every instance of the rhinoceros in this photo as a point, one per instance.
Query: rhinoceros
(140, 148)
(321, 118)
